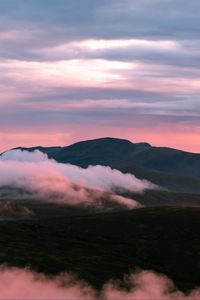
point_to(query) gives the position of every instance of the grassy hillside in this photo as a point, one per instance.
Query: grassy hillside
(166, 198)
(98, 247)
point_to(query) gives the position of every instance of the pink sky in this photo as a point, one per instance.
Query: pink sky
(182, 138)
(107, 69)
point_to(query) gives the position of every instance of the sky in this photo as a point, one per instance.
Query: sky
(72, 70)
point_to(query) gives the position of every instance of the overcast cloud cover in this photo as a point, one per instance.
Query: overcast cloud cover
(70, 69)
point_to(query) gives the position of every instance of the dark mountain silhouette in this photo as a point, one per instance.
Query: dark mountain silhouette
(173, 169)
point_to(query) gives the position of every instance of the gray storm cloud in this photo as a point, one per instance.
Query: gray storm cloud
(65, 183)
(17, 283)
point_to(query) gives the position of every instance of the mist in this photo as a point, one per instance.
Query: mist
(100, 177)
(48, 180)
(18, 283)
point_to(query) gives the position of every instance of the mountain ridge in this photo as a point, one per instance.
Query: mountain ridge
(102, 139)
(174, 169)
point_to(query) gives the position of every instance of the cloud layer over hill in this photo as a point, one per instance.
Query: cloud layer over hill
(48, 180)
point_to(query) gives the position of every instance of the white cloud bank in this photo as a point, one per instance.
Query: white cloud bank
(66, 183)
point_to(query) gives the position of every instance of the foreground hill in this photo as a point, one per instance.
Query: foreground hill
(101, 246)
(173, 169)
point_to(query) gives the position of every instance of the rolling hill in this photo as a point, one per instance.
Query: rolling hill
(173, 169)
(98, 247)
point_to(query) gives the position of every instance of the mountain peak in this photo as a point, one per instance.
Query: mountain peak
(110, 141)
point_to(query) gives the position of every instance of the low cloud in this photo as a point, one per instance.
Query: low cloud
(45, 179)
(17, 283)
(98, 177)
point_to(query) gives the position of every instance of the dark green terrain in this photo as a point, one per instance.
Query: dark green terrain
(97, 247)
(164, 236)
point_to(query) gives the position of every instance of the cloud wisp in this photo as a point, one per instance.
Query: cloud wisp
(48, 180)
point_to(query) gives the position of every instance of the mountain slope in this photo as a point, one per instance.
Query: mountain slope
(171, 168)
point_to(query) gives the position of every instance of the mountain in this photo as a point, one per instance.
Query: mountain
(173, 169)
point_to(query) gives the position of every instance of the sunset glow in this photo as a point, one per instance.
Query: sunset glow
(96, 73)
